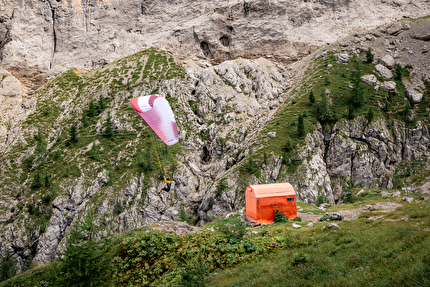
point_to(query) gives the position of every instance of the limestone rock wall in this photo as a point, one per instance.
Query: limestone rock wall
(51, 36)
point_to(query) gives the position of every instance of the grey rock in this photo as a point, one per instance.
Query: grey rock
(296, 226)
(388, 61)
(408, 199)
(386, 194)
(389, 85)
(334, 225)
(310, 224)
(229, 215)
(178, 228)
(369, 79)
(346, 219)
(383, 71)
(414, 95)
(271, 134)
(342, 58)
(361, 191)
(424, 35)
(324, 228)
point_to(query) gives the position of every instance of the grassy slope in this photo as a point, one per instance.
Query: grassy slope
(384, 252)
(61, 104)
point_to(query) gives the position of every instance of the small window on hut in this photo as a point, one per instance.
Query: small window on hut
(290, 199)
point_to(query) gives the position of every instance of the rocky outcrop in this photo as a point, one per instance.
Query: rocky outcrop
(57, 35)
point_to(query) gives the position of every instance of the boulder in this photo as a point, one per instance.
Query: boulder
(408, 199)
(369, 79)
(395, 28)
(384, 194)
(310, 224)
(383, 71)
(425, 35)
(389, 85)
(342, 58)
(414, 95)
(387, 61)
(333, 225)
(296, 226)
(271, 134)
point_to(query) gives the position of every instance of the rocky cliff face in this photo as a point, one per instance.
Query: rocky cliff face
(51, 36)
(223, 104)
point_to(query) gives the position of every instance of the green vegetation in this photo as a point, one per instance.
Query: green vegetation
(387, 253)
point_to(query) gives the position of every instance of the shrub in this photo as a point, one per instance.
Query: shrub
(288, 146)
(73, 133)
(184, 217)
(84, 119)
(108, 130)
(301, 126)
(235, 229)
(85, 261)
(311, 97)
(299, 258)
(222, 185)
(279, 215)
(369, 56)
(323, 109)
(37, 181)
(297, 219)
(7, 266)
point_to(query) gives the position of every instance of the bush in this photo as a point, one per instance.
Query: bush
(222, 185)
(235, 229)
(299, 258)
(369, 56)
(279, 215)
(86, 261)
(301, 126)
(297, 219)
(108, 129)
(311, 97)
(7, 266)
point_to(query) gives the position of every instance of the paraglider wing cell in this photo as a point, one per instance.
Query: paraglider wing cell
(156, 112)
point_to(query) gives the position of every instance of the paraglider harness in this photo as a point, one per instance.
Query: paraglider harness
(167, 186)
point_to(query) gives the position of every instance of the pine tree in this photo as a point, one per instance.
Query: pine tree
(47, 181)
(369, 56)
(84, 119)
(288, 146)
(73, 134)
(300, 126)
(7, 266)
(399, 72)
(311, 97)
(101, 105)
(92, 110)
(40, 143)
(37, 181)
(370, 115)
(323, 109)
(108, 126)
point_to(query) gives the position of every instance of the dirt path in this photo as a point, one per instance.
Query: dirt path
(354, 213)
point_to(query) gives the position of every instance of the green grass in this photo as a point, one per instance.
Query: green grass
(385, 253)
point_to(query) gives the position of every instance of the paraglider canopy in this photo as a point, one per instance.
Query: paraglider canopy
(156, 112)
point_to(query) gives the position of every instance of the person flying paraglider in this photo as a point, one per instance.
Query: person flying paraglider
(157, 113)
(167, 186)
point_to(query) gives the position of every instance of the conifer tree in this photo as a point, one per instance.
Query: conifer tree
(311, 97)
(108, 126)
(92, 110)
(73, 134)
(323, 109)
(369, 56)
(84, 119)
(300, 126)
(101, 105)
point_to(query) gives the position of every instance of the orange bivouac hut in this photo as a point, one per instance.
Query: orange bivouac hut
(261, 201)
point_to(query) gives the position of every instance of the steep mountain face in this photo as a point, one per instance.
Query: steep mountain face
(229, 113)
(51, 36)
